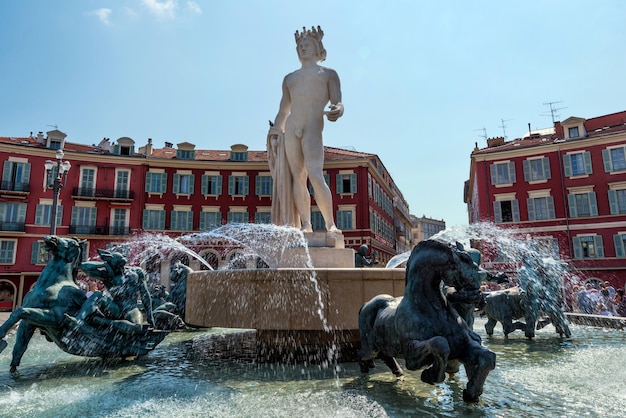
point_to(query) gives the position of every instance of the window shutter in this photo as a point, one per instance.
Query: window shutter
(546, 168)
(92, 216)
(231, 186)
(587, 158)
(246, 185)
(578, 251)
(571, 201)
(618, 240)
(527, 176)
(148, 182)
(191, 181)
(257, 185)
(204, 187)
(162, 219)
(497, 212)
(530, 202)
(174, 221)
(515, 209)
(7, 171)
(144, 222)
(599, 246)
(34, 254)
(551, 213)
(606, 159)
(176, 183)
(39, 214)
(593, 204)
(492, 169)
(163, 182)
(338, 184)
(613, 202)
(189, 221)
(26, 174)
(74, 214)
(353, 183)
(512, 176)
(59, 214)
(567, 165)
(218, 186)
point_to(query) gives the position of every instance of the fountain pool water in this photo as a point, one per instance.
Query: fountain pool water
(548, 376)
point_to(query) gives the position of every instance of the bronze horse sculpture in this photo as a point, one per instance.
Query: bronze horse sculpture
(53, 304)
(421, 327)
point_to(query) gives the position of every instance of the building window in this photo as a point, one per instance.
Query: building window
(345, 219)
(582, 204)
(87, 185)
(183, 184)
(548, 246)
(83, 220)
(118, 224)
(12, 216)
(182, 154)
(211, 184)
(43, 212)
(181, 220)
(617, 201)
(620, 245)
(263, 218)
(537, 169)
(588, 246)
(156, 182)
(238, 185)
(7, 251)
(346, 183)
(506, 211)
(238, 156)
(153, 219)
(15, 176)
(503, 173)
(577, 164)
(540, 208)
(263, 185)
(210, 220)
(39, 254)
(317, 221)
(122, 183)
(614, 159)
(238, 217)
(573, 132)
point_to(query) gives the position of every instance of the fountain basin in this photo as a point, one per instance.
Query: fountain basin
(287, 299)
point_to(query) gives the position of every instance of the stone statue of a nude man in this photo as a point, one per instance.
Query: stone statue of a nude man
(294, 142)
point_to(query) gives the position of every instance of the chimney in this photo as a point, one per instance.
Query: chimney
(40, 137)
(148, 150)
(495, 142)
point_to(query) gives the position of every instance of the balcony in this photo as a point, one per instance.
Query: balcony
(99, 230)
(13, 187)
(90, 193)
(12, 226)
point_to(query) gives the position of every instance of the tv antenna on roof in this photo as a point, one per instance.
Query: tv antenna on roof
(503, 126)
(553, 110)
(54, 126)
(484, 135)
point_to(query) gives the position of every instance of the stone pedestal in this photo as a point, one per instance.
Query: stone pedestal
(326, 249)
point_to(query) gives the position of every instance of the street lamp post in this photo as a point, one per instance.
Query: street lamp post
(56, 184)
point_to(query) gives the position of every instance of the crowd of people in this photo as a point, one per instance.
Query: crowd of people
(601, 300)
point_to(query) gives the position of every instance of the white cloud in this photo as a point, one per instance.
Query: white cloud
(194, 7)
(163, 9)
(103, 15)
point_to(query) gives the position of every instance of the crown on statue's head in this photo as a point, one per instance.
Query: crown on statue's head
(318, 34)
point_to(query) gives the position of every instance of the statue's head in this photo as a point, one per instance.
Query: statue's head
(363, 250)
(310, 40)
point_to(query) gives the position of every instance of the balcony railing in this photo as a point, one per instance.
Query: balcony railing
(97, 193)
(13, 186)
(99, 230)
(12, 226)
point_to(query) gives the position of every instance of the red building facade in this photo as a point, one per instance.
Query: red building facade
(115, 191)
(565, 187)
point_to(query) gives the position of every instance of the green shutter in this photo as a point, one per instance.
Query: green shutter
(567, 165)
(163, 182)
(526, 165)
(92, 216)
(257, 185)
(174, 221)
(493, 171)
(353, 183)
(162, 220)
(497, 212)
(512, 175)
(593, 204)
(515, 209)
(149, 182)
(530, 202)
(218, 190)
(7, 171)
(618, 240)
(74, 214)
(551, 212)
(546, 168)
(231, 186)
(613, 202)
(191, 182)
(34, 254)
(599, 246)
(26, 174)
(246, 185)
(39, 215)
(606, 159)
(59, 214)
(204, 187)
(578, 251)
(144, 222)
(176, 183)
(571, 201)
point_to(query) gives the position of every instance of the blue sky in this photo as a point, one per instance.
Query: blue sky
(420, 79)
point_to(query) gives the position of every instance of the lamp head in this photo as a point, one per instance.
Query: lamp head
(59, 154)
